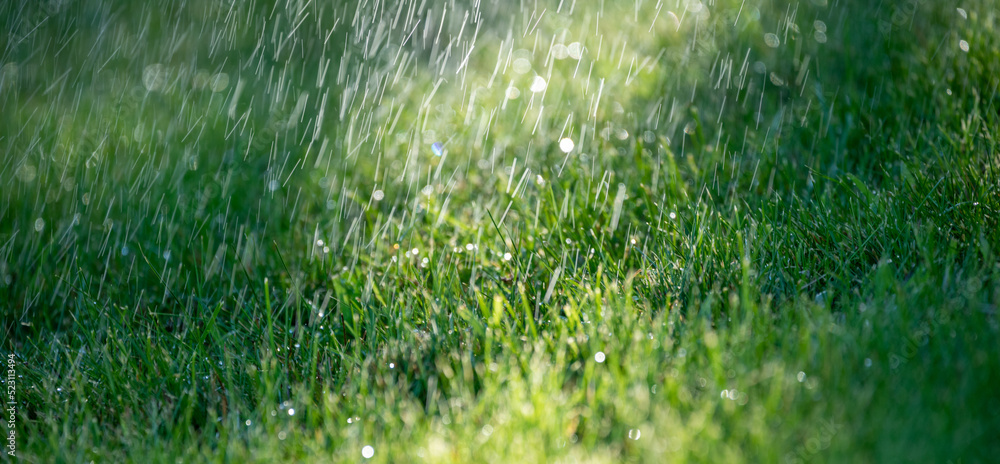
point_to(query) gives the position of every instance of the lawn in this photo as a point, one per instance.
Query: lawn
(500, 231)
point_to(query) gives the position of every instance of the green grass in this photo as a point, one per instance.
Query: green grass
(224, 235)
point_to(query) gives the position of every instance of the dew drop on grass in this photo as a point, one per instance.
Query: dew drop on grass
(378, 195)
(367, 452)
(820, 36)
(599, 357)
(437, 148)
(39, 225)
(963, 13)
(801, 377)
(962, 44)
(634, 434)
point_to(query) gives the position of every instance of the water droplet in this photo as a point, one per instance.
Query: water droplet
(538, 84)
(513, 93)
(772, 40)
(801, 376)
(599, 357)
(26, 173)
(378, 195)
(963, 13)
(575, 50)
(154, 77)
(820, 26)
(820, 36)
(634, 434)
(962, 44)
(39, 224)
(566, 145)
(218, 82)
(521, 65)
(437, 148)
(560, 51)
(367, 452)
(291, 411)
(868, 362)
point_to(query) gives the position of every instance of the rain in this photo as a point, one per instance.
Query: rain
(455, 221)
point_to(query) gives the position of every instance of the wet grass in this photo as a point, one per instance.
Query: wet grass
(225, 233)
